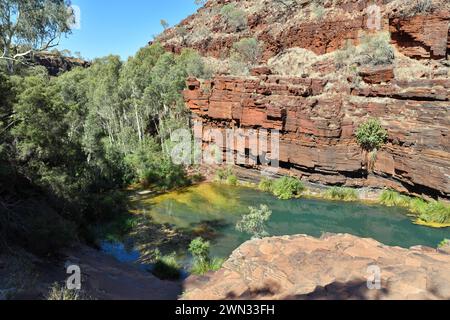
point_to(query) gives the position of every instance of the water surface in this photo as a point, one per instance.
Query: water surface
(216, 208)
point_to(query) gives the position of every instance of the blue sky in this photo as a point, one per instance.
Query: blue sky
(122, 27)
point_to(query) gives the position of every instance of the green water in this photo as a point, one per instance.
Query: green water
(215, 209)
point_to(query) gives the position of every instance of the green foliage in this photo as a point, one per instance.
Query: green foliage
(201, 268)
(428, 212)
(344, 194)
(166, 267)
(416, 7)
(376, 50)
(287, 187)
(245, 54)
(444, 243)
(232, 180)
(194, 65)
(31, 25)
(199, 248)
(203, 263)
(317, 10)
(371, 135)
(164, 24)
(266, 185)
(226, 175)
(87, 132)
(417, 205)
(436, 212)
(234, 17)
(254, 223)
(392, 198)
(222, 174)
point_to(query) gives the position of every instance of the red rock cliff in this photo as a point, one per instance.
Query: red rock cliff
(318, 114)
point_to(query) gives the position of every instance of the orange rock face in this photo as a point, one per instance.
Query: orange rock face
(422, 37)
(335, 267)
(278, 28)
(317, 130)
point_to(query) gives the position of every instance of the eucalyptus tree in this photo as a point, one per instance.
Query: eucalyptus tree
(29, 26)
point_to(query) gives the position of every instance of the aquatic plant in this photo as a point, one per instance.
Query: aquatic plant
(436, 212)
(433, 212)
(444, 243)
(254, 223)
(166, 267)
(266, 185)
(392, 198)
(417, 205)
(287, 187)
(339, 193)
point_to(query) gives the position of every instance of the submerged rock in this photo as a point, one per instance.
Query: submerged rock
(335, 267)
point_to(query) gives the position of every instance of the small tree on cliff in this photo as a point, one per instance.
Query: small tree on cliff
(371, 135)
(28, 26)
(245, 54)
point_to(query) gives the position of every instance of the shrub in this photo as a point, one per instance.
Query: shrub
(254, 223)
(222, 174)
(317, 10)
(194, 64)
(345, 194)
(436, 212)
(245, 54)
(202, 263)
(232, 180)
(166, 267)
(234, 17)
(371, 135)
(376, 50)
(266, 185)
(199, 248)
(416, 7)
(287, 187)
(200, 268)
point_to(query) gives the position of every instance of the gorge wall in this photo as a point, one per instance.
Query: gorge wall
(317, 130)
(319, 109)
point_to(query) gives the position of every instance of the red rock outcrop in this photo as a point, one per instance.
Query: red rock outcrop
(317, 128)
(56, 63)
(281, 27)
(318, 114)
(335, 267)
(423, 36)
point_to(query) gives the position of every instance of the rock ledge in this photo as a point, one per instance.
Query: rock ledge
(334, 267)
